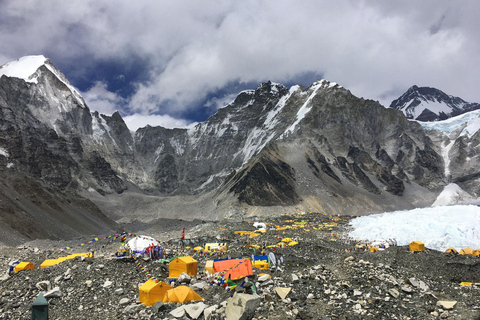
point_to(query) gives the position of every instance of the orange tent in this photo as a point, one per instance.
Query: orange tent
(451, 250)
(373, 249)
(182, 264)
(417, 246)
(466, 250)
(151, 292)
(182, 294)
(234, 268)
(476, 252)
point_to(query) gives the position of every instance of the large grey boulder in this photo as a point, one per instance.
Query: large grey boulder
(242, 306)
(54, 293)
(194, 310)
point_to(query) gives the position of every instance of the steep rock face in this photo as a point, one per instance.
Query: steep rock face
(49, 132)
(341, 147)
(267, 181)
(430, 104)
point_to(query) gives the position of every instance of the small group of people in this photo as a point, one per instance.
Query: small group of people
(155, 252)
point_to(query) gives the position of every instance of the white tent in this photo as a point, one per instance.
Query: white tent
(140, 243)
(259, 225)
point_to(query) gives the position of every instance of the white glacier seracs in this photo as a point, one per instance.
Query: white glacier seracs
(470, 122)
(438, 227)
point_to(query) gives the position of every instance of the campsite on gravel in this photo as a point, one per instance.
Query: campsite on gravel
(295, 266)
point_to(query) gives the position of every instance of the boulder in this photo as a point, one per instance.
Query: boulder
(242, 306)
(207, 313)
(44, 285)
(418, 284)
(446, 305)
(133, 308)
(199, 286)
(282, 292)
(54, 293)
(184, 278)
(178, 312)
(194, 310)
(158, 306)
(394, 293)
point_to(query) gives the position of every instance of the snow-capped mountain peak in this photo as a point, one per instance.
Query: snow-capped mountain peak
(430, 104)
(27, 68)
(23, 68)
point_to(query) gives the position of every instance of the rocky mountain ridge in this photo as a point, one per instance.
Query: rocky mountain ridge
(271, 150)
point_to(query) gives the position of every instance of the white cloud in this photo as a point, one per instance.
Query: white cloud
(220, 102)
(376, 48)
(98, 98)
(136, 121)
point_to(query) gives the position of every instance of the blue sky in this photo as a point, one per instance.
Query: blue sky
(174, 63)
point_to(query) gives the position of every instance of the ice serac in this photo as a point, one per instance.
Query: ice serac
(431, 104)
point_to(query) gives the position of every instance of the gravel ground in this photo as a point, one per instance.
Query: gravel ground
(330, 277)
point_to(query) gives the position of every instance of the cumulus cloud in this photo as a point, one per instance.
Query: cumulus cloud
(220, 102)
(376, 48)
(98, 98)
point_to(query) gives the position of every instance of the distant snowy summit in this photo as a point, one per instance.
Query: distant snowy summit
(24, 68)
(431, 104)
(31, 68)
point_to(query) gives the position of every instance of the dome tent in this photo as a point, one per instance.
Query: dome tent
(140, 243)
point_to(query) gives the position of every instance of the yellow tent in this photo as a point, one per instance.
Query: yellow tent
(373, 249)
(49, 263)
(83, 254)
(24, 265)
(182, 264)
(281, 245)
(287, 240)
(417, 246)
(451, 250)
(182, 294)
(292, 243)
(476, 252)
(61, 259)
(209, 267)
(466, 250)
(260, 264)
(197, 249)
(254, 246)
(151, 292)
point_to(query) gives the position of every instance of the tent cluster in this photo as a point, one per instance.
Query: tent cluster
(467, 251)
(151, 292)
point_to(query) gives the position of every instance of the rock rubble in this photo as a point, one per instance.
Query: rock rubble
(323, 277)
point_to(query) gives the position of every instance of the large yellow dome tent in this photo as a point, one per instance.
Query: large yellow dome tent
(182, 294)
(151, 292)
